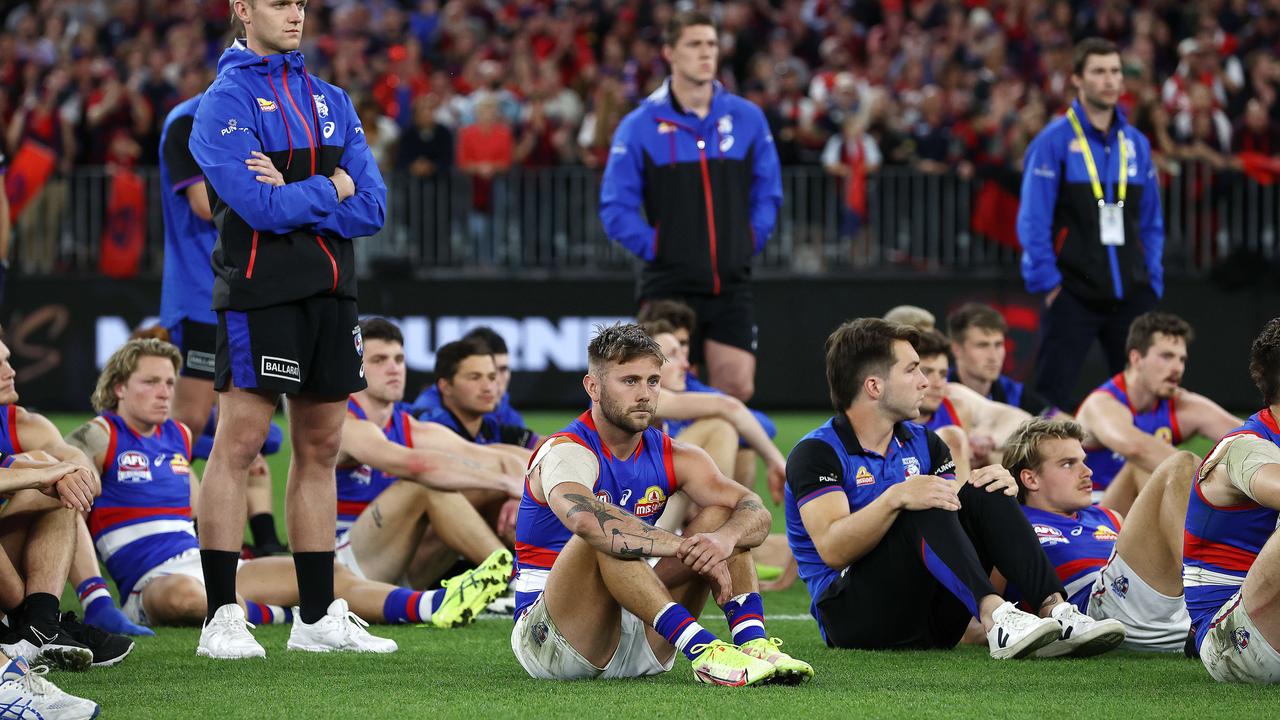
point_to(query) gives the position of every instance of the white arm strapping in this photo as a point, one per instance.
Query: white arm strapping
(1243, 456)
(562, 461)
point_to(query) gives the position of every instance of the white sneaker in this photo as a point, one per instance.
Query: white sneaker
(24, 693)
(339, 630)
(1082, 636)
(1016, 634)
(227, 637)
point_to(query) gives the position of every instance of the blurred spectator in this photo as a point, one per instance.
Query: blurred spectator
(1255, 132)
(1202, 131)
(426, 147)
(380, 132)
(486, 150)
(608, 107)
(853, 155)
(544, 141)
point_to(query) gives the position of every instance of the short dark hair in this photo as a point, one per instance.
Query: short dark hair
(1091, 46)
(488, 337)
(620, 343)
(931, 343)
(858, 349)
(1143, 329)
(376, 328)
(977, 315)
(681, 20)
(1264, 362)
(679, 314)
(451, 355)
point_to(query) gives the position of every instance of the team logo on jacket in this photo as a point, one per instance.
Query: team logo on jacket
(322, 106)
(1048, 534)
(910, 466)
(1105, 534)
(652, 502)
(864, 477)
(133, 467)
(725, 125)
(266, 105)
(178, 465)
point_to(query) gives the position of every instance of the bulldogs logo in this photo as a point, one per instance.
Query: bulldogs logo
(1240, 638)
(910, 466)
(322, 106)
(1120, 586)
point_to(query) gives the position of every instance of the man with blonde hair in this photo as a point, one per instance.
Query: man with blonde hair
(1124, 570)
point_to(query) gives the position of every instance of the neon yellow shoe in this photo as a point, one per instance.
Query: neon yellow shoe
(467, 595)
(790, 671)
(719, 663)
(767, 573)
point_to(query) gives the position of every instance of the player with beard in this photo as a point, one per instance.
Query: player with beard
(587, 603)
(1136, 419)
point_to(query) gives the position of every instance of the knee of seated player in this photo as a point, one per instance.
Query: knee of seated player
(180, 600)
(1181, 469)
(32, 503)
(708, 519)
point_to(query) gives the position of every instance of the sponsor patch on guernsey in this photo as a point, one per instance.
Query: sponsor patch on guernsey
(266, 105)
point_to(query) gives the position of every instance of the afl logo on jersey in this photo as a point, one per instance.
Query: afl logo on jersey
(1049, 535)
(652, 502)
(362, 475)
(603, 496)
(133, 467)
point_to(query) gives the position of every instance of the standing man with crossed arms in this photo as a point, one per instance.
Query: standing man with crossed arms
(291, 182)
(1090, 226)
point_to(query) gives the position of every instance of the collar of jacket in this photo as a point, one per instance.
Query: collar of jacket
(239, 55)
(664, 95)
(1119, 122)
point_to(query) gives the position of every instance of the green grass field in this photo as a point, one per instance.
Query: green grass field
(470, 672)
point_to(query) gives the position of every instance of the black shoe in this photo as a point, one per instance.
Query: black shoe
(250, 552)
(108, 648)
(47, 645)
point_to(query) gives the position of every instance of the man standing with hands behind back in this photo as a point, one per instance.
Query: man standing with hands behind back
(692, 187)
(291, 182)
(1090, 226)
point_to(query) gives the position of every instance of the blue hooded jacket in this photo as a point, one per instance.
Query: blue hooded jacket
(287, 243)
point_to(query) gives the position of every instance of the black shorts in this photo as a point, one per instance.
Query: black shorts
(198, 343)
(311, 347)
(728, 318)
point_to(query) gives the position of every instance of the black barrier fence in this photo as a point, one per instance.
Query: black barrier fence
(546, 219)
(60, 332)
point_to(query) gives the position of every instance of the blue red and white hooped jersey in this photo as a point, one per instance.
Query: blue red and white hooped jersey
(9, 444)
(945, 415)
(1078, 546)
(639, 484)
(143, 517)
(1160, 421)
(1220, 544)
(359, 485)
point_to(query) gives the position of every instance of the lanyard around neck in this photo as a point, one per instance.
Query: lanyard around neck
(1122, 184)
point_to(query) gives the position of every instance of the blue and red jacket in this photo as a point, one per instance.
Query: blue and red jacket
(640, 484)
(143, 517)
(281, 244)
(359, 485)
(1058, 215)
(1220, 544)
(696, 198)
(1160, 421)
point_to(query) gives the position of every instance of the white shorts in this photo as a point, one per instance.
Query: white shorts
(345, 555)
(187, 563)
(546, 655)
(1234, 651)
(1152, 621)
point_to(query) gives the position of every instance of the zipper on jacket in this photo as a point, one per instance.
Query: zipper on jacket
(253, 256)
(711, 215)
(311, 139)
(332, 262)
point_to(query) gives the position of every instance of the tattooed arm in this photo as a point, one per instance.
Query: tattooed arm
(609, 528)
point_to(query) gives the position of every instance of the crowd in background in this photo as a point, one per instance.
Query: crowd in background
(936, 84)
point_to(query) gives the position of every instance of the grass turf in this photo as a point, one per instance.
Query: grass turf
(470, 672)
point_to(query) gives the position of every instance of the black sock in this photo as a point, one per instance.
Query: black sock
(263, 527)
(315, 584)
(219, 578)
(41, 608)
